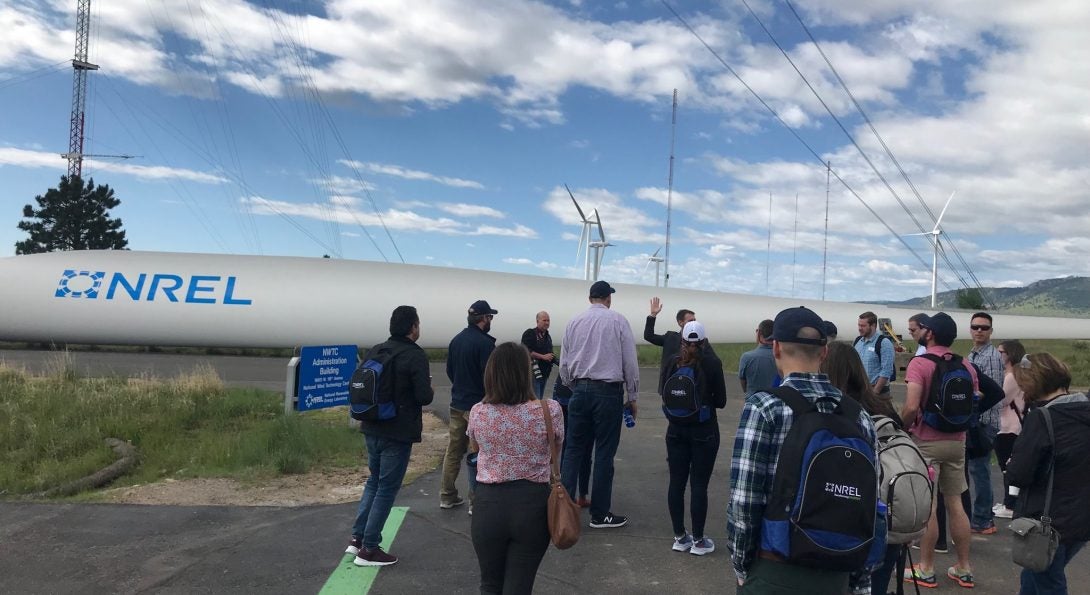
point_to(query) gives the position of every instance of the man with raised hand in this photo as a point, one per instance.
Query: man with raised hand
(598, 362)
(669, 341)
(390, 442)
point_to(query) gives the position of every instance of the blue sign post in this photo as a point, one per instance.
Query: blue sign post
(323, 375)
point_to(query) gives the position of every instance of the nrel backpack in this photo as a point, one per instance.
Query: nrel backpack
(904, 483)
(369, 397)
(681, 400)
(878, 351)
(823, 511)
(950, 401)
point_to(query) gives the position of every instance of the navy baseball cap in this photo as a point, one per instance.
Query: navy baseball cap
(601, 289)
(943, 326)
(830, 328)
(790, 322)
(481, 307)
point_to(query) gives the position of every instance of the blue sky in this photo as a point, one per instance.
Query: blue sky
(458, 123)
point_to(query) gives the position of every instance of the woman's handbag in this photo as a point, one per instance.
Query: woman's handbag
(1035, 541)
(563, 512)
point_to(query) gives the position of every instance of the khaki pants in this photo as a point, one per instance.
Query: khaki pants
(457, 445)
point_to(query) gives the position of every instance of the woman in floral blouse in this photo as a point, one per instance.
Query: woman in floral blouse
(510, 525)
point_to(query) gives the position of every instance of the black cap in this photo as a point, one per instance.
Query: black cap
(830, 328)
(601, 289)
(481, 307)
(942, 326)
(791, 321)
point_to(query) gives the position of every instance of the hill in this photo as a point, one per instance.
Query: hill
(1065, 296)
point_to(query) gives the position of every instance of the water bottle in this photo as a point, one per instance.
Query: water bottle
(629, 420)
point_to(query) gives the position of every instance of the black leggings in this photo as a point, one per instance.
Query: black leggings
(690, 452)
(510, 530)
(1004, 446)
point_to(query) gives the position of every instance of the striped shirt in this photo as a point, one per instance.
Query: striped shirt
(598, 345)
(761, 432)
(989, 361)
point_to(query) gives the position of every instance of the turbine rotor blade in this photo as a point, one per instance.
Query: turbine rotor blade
(581, 215)
(939, 220)
(601, 232)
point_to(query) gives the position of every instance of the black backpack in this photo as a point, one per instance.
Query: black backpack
(951, 399)
(370, 392)
(681, 397)
(823, 509)
(878, 351)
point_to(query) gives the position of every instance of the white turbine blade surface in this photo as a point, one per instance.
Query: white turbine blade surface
(944, 207)
(601, 232)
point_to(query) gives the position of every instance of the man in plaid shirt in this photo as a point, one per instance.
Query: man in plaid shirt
(798, 344)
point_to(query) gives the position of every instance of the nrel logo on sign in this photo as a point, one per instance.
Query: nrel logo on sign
(195, 289)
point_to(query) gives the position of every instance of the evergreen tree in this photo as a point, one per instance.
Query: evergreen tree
(970, 299)
(72, 217)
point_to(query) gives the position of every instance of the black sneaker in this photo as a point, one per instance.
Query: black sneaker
(609, 521)
(375, 557)
(354, 546)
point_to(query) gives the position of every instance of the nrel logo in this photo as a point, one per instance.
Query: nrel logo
(195, 289)
(843, 491)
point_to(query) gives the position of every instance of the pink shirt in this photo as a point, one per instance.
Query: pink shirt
(1008, 419)
(919, 372)
(512, 440)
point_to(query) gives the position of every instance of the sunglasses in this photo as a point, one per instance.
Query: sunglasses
(980, 327)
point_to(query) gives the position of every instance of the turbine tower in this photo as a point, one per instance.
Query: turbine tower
(936, 235)
(80, 68)
(584, 236)
(599, 246)
(658, 260)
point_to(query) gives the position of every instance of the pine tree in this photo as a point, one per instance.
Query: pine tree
(72, 217)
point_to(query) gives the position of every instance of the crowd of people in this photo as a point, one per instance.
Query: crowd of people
(811, 509)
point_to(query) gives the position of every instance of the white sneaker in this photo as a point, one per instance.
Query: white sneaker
(683, 543)
(704, 546)
(1004, 513)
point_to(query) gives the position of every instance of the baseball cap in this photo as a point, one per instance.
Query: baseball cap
(693, 332)
(481, 307)
(601, 289)
(942, 325)
(789, 322)
(830, 328)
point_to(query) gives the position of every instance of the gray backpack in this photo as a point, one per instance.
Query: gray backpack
(904, 483)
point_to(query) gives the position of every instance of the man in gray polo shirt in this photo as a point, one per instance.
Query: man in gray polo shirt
(598, 362)
(757, 368)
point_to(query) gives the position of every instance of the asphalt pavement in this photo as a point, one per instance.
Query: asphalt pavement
(70, 548)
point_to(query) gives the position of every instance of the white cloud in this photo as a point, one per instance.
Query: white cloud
(621, 223)
(466, 210)
(411, 174)
(24, 158)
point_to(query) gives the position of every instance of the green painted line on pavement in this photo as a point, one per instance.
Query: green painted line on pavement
(349, 579)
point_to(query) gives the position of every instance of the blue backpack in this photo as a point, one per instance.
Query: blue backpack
(681, 398)
(824, 511)
(951, 399)
(370, 397)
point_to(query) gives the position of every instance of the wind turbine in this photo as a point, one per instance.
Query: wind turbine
(599, 246)
(658, 260)
(936, 235)
(584, 236)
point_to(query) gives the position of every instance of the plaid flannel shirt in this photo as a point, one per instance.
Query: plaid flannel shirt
(989, 361)
(761, 431)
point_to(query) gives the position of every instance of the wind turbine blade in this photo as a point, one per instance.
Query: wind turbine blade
(939, 220)
(601, 232)
(582, 239)
(656, 252)
(581, 215)
(926, 233)
(647, 266)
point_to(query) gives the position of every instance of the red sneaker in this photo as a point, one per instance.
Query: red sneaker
(375, 557)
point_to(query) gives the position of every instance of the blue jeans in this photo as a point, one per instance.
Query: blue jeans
(539, 386)
(594, 417)
(980, 476)
(387, 460)
(1051, 581)
(879, 579)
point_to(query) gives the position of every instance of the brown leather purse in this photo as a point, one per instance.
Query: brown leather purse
(563, 512)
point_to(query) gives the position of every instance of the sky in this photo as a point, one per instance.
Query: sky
(443, 132)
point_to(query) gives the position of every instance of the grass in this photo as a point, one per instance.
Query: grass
(52, 429)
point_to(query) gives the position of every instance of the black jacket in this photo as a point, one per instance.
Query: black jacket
(670, 342)
(709, 380)
(412, 391)
(466, 357)
(1029, 464)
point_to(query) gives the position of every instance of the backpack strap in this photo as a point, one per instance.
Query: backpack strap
(793, 399)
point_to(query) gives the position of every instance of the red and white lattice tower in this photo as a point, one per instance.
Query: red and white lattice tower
(80, 67)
